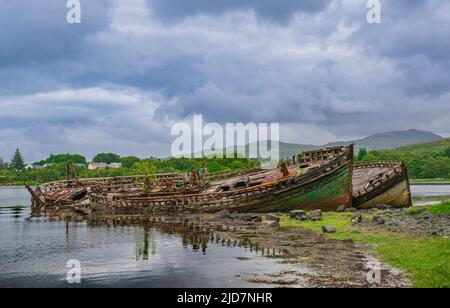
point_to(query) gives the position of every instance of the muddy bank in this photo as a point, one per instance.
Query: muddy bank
(335, 263)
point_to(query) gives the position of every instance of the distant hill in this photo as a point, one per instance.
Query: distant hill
(425, 160)
(391, 140)
(388, 140)
(382, 141)
(286, 149)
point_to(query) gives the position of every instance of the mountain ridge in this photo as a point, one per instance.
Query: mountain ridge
(380, 141)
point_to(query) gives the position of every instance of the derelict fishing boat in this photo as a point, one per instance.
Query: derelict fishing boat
(74, 192)
(320, 180)
(376, 183)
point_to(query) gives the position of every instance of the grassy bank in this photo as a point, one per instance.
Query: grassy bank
(426, 260)
(439, 209)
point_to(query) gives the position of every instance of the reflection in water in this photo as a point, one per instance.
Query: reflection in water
(121, 251)
(142, 247)
(15, 212)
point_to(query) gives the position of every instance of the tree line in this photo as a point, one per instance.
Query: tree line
(424, 161)
(54, 167)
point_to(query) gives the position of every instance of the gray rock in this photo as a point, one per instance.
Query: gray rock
(357, 219)
(272, 217)
(329, 229)
(296, 213)
(301, 217)
(378, 220)
(316, 215)
(341, 209)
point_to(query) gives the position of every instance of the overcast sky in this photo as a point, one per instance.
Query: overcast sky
(117, 81)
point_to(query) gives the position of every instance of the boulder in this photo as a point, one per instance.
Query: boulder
(296, 213)
(341, 209)
(272, 217)
(316, 215)
(350, 210)
(378, 220)
(329, 229)
(301, 217)
(357, 219)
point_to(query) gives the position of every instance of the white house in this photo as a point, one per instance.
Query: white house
(115, 165)
(96, 166)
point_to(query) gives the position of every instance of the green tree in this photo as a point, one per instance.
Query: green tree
(129, 161)
(362, 153)
(2, 164)
(64, 158)
(17, 162)
(107, 158)
(447, 152)
(147, 169)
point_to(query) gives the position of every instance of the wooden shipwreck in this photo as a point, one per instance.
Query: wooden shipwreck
(376, 183)
(322, 179)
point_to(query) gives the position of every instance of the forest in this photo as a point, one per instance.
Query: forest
(424, 161)
(54, 167)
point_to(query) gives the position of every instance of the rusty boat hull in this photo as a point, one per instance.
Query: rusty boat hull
(381, 183)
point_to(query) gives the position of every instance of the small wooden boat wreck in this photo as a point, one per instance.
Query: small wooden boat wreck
(73, 192)
(376, 183)
(65, 194)
(320, 180)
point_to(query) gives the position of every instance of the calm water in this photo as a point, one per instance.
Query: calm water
(425, 191)
(34, 253)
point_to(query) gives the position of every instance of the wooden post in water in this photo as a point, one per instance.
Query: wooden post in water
(35, 196)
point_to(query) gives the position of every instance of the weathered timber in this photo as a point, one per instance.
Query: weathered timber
(37, 200)
(321, 182)
(377, 183)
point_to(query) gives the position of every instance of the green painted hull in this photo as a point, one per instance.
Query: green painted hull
(326, 186)
(326, 193)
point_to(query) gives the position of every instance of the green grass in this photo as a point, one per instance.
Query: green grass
(439, 209)
(426, 260)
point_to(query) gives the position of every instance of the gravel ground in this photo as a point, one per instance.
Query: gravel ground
(399, 220)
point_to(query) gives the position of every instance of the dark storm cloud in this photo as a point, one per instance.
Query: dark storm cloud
(37, 42)
(278, 11)
(37, 31)
(122, 75)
